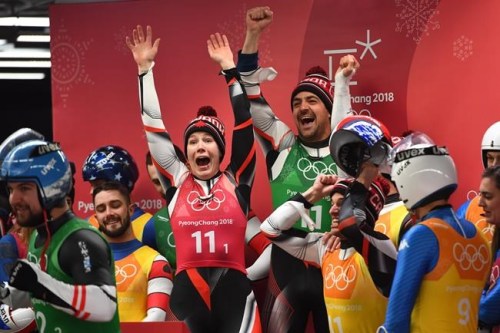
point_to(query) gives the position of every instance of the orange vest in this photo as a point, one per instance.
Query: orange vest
(353, 302)
(132, 274)
(449, 295)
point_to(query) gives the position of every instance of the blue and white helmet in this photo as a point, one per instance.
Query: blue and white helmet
(357, 139)
(43, 163)
(111, 163)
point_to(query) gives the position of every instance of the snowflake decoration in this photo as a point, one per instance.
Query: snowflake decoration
(68, 63)
(235, 30)
(417, 18)
(462, 48)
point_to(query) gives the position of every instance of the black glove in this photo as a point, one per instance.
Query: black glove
(24, 276)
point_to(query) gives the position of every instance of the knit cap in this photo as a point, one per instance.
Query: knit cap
(342, 186)
(207, 121)
(316, 81)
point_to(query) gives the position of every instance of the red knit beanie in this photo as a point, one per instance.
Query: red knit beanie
(316, 82)
(207, 121)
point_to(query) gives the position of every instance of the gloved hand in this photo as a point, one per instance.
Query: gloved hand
(24, 276)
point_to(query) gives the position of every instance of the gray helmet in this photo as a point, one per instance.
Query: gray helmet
(422, 171)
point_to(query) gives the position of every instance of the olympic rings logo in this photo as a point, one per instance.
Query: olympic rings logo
(122, 273)
(211, 202)
(311, 170)
(470, 257)
(338, 278)
(472, 194)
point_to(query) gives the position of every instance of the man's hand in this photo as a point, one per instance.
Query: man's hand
(258, 18)
(24, 276)
(348, 65)
(331, 240)
(322, 186)
(143, 50)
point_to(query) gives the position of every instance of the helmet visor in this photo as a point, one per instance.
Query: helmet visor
(416, 138)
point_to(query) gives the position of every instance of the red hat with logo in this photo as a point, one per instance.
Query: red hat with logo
(316, 81)
(207, 121)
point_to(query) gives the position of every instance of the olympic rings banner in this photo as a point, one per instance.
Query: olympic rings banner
(426, 65)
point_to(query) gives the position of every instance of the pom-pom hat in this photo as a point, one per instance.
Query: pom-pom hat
(207, 121)
(316, 82)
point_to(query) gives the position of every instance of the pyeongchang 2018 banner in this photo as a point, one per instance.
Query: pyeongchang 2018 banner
(426, 65)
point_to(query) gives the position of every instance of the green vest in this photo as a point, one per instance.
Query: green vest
(297, 175)
(48, 318)
(164, 236)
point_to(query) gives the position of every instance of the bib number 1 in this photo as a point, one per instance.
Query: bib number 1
(335, 325)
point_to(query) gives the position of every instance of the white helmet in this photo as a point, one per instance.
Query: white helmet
(491, 141)
(422, 171)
